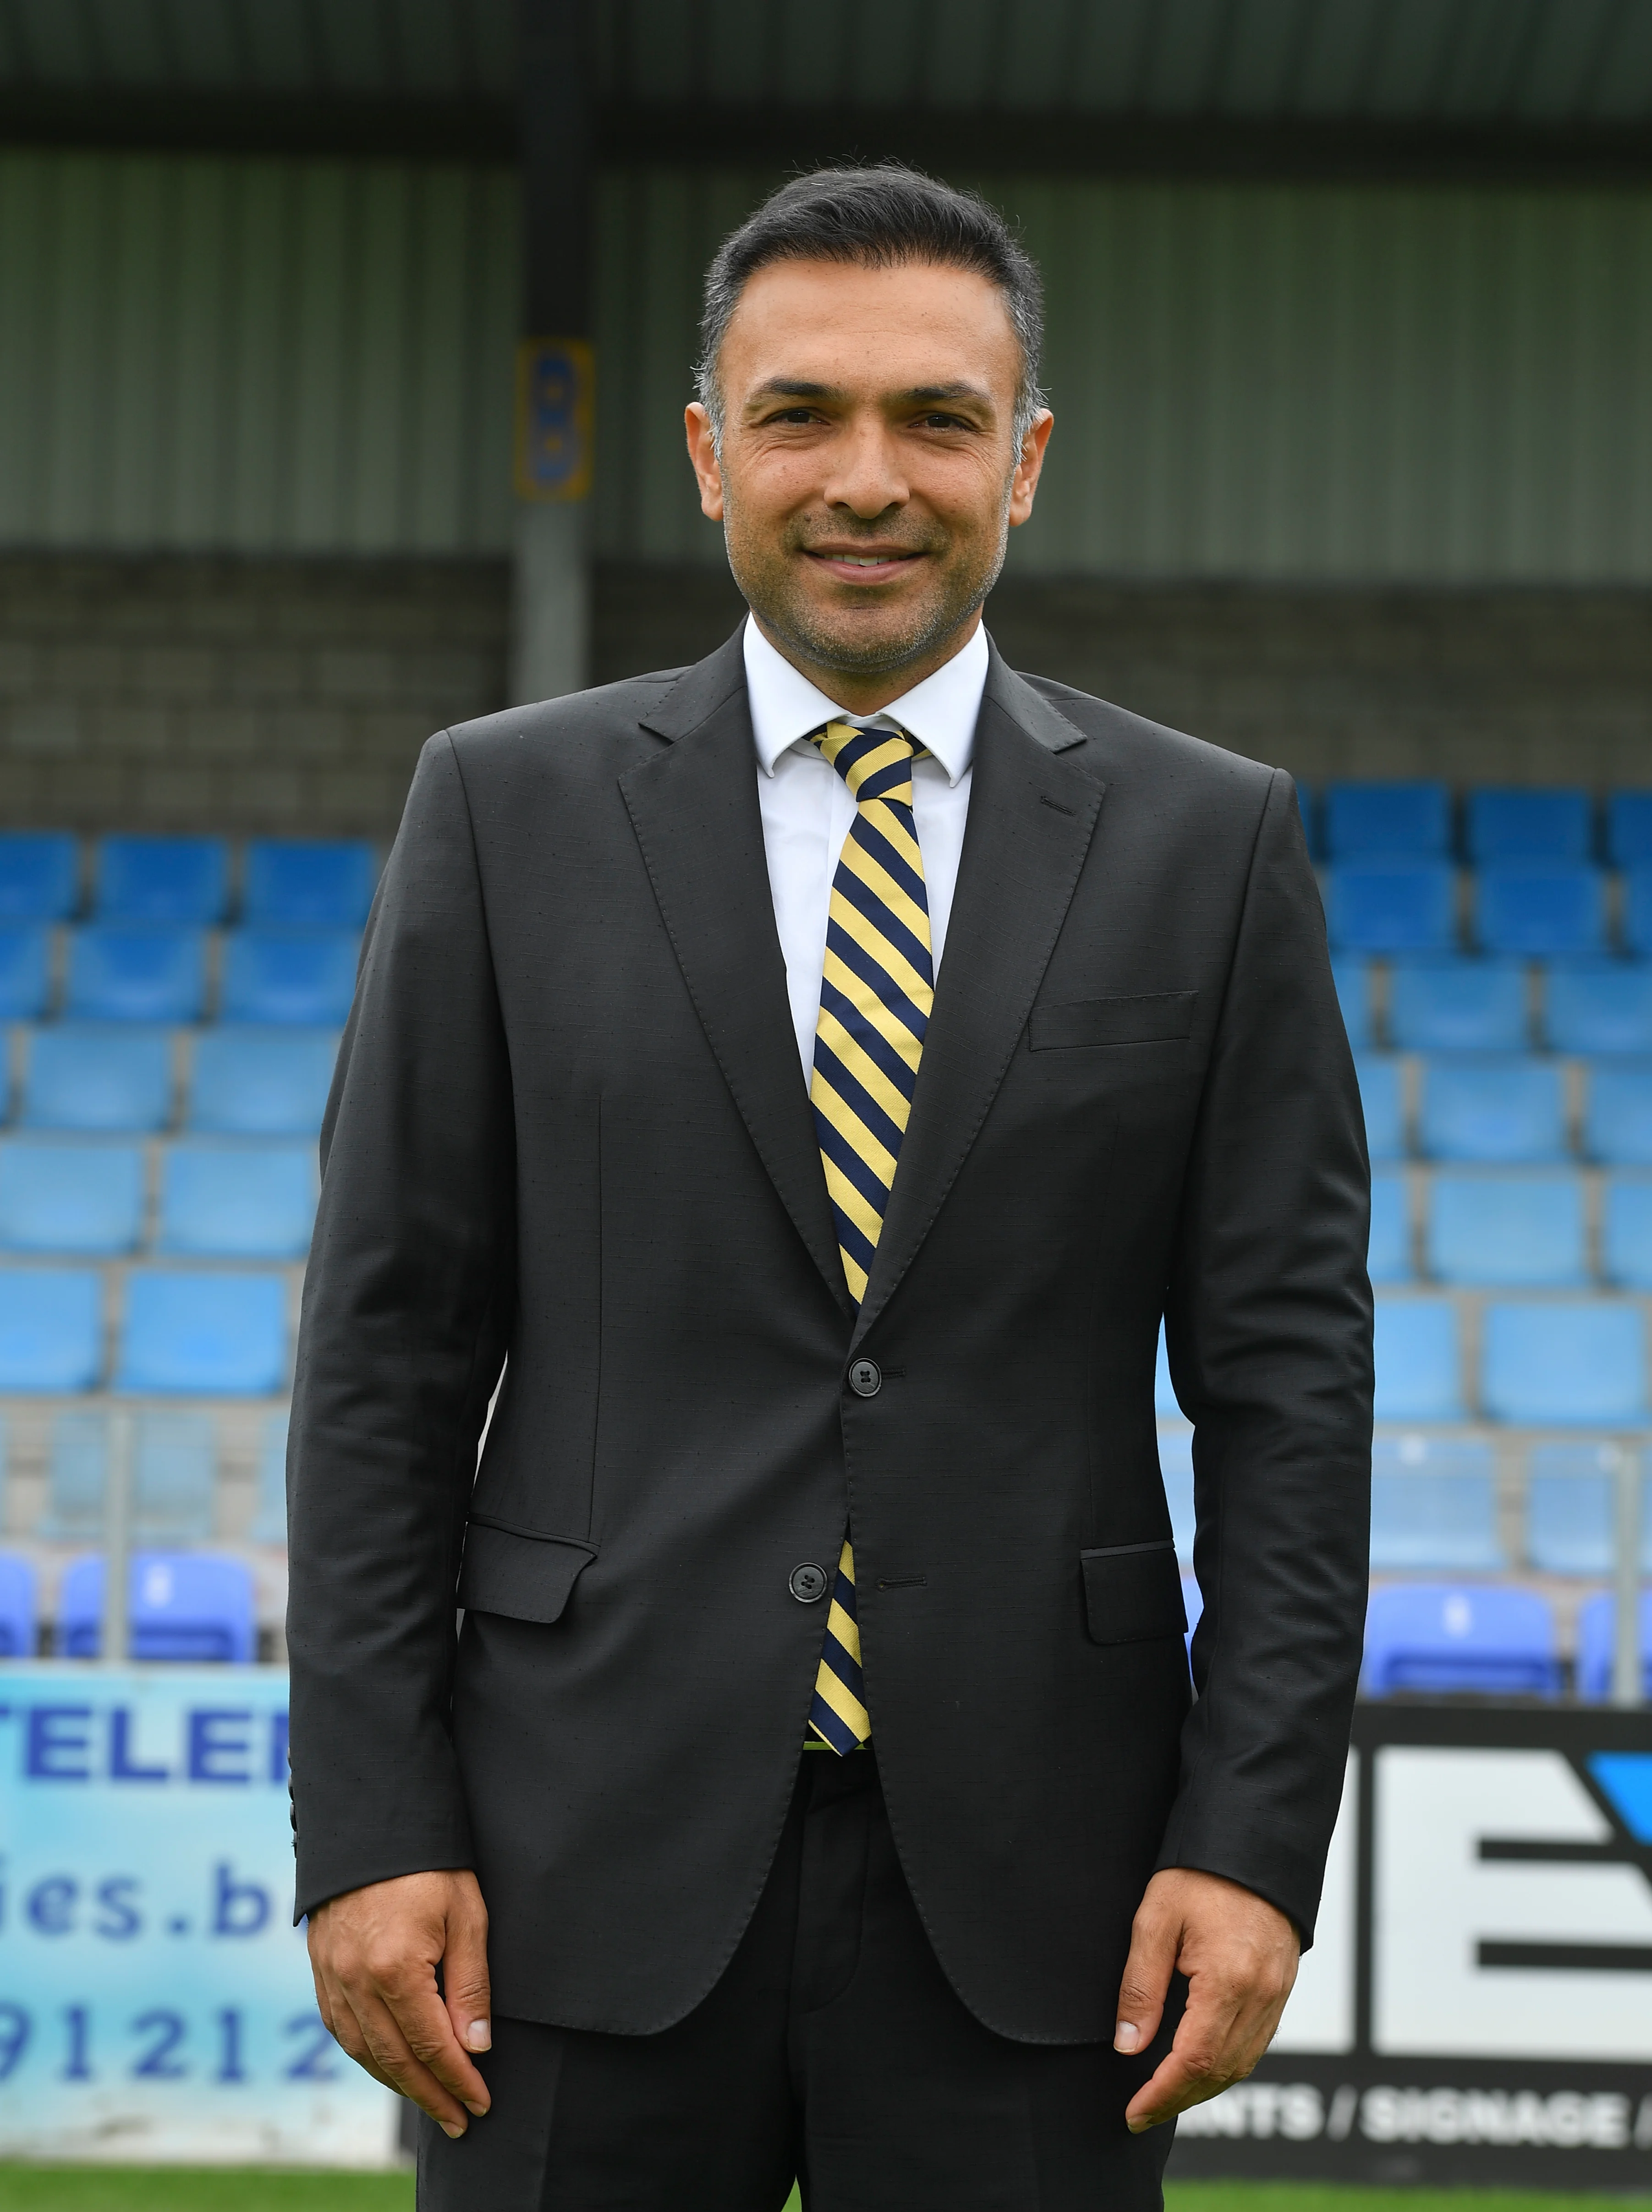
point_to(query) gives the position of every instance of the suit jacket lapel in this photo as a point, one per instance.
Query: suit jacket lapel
(1032, 812)
(695, 810)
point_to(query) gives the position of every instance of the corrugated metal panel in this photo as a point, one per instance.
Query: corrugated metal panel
(268, 356)
(1248, 381)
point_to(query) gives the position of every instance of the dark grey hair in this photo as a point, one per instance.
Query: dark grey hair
(879, 216)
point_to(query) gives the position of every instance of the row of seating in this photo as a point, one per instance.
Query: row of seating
(1443, 1003)
(1506, 1108)
(282, 883)
(175, 1332)
(1417, 820)
(195, 1197)
(143, 972)
(191, 1608)
(1498, 1228)
(173, 1479)
(235, 1081)
(1531, 909)
(1486, 1640)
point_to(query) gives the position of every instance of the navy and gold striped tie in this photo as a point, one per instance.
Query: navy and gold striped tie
(875, 999)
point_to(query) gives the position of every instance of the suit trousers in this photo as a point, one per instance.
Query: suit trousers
(833, 2049)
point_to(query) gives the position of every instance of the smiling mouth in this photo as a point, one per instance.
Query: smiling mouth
(864, 562)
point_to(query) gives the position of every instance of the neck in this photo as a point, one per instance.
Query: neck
(859, 693)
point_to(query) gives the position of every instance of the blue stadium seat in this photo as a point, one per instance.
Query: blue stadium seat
(300, 976)
(261, 1082)
(1572, 1508)
(1434, 1507)
(1388, 1260)
(1511, 824)
(1540, 909)
(1175, 1459)
(82, 1197)
(270, 1514)
(25, 971)
(1391, 906)
(1164, 1396)
(1628, 828)
(206, 1333)
(103, 1080)
(1353, 978)
(180, 880)
(1521, 1231)
(1597, 1636)
(50, 1329)
(1382, 1096)
(1618, 1114)
(1192, 1604)
(1500, 1111)
(39, 875)
(1626, 1231)
(300, 884)
(1488, 1640)
(1598, 1006)
(1635, 920)
(18, 1613)
(1448, 1004)
(1564, 1365)
(188, 1606)
(236, 1201)
(124, 972)
(174, 1466)
(1409, 821)
(1419, 1360)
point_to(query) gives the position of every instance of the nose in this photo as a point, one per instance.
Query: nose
(866, 477)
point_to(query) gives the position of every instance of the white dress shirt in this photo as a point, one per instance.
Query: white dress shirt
(807, 810)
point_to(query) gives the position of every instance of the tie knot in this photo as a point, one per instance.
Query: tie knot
(874, 763)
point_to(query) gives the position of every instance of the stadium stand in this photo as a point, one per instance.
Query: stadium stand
(185, 1605)
(230, 1201)
(1484, 1638)
(25, 971)
(1504, 823)
(1597, 1630)
(1392, 906)
(1389, 1258)
(289, 975)
(1419, 1360)
(39, 875)
(136, 972)
(249, 1082)
(269, 1519)
(1570, 1509)
(1543, 909)
(1433, 1506)
(19, 1611)
(290, 884)
(79, 1197)
(1600, 1007)
(1507, 1229)
(1448, 1004)
(1387, 821)
(181, 881)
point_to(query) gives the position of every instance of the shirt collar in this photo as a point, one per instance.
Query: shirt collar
(940, 712)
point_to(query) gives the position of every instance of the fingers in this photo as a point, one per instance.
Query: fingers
(1147, 1972)
(464, 1975)
(1203, 2058)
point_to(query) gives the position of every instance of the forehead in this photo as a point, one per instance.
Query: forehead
(829, 322)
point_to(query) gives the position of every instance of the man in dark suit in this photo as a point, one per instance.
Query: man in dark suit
(809, 1076)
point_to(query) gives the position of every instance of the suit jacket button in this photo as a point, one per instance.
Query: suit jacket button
(865, 1378)
(808, 1582)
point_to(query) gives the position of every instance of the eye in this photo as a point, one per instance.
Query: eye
(938, 422)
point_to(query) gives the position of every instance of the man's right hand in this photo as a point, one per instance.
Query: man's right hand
(374, 1953)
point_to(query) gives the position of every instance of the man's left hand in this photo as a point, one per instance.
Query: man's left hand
(1239, 1954)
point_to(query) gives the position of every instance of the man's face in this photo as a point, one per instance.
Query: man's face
(867, 478)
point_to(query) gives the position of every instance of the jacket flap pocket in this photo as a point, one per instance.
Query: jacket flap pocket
(1161, 1017)
(1133, 1592)
(524, 1578)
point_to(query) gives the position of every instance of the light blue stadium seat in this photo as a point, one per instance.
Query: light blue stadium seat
(124, 972)
(25, 971)
(1433, 1506)
(289, 975)
(189, 1607)
(50, 1329)
(237, 1200)
(1382, 1096)
(1391, 906)
(1511, 823)
(1497, 1111)
(1598, 1007)
(261, 1082)
(174, 1471)
(1175, 1459)
(1572, 1508)
(39, 875)
(1618, 1114)
(1352, 976)
(1192, 1604)
(1448, 1005)
(270, 1515)
(1519, 1231)
(179, 880)
(1626, 1231)
(1488, 1639)
(1540, 909)
(82, 1197)
(1164, 1396)
(97, 1079)
(20, 1632)
(1410, 821)
(1419, 1360)
(1388, 1260)
(1562, 1365)
(204, 1333)
(1636, 917)
(1597, 1634)
(1628, 828)
(293, 883)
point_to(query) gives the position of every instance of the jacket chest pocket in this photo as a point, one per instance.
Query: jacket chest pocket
(1132, 1593)
(1158, 1017)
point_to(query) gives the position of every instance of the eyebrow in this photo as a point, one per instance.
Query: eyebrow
(787, 388)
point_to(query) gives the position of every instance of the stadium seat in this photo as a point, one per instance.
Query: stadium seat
(1434, 1507)
(1388, 1260)
(1597, 1638)
(1192, 1604)
(235, 1201)
(1419, 1360)
(1448, 1005)
(261, 1082)
(1540, 909)
(1626, 1231)
(1522, 1231)
(19, 1633)
(1598, 1006)
(1628, 828)
(25, 971)
(39, 875)
(1618, 1114)
(125, 972)
(300, 976)
(1382, 1096)
(1175, 1459)
(1635, 920)
(299, 884)
(82, 1197)
(85, 1076)
(1498, 1110)
(204, 1333)
(1353, 978)
(1409, 821)
(1572, 1508)
(1164, 1396)
(189, 1607)
(1513, 823)
(174, 1466)
(180, 880)
(1391, 906)
(50, 1329)
(1488, 1640)
(1555, 1364)
(270, 1514)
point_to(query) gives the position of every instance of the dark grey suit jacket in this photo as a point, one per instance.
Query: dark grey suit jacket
(569, 1124)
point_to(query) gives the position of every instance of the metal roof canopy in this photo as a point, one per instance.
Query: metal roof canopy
(1532, 88)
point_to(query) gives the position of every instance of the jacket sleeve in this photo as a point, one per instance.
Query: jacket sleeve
(407, 1308)
(1268, 1328)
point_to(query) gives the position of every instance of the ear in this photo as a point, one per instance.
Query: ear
(1028, 465)
(702, 457)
